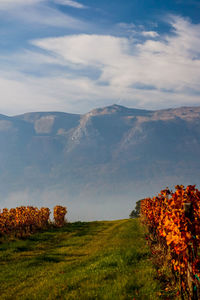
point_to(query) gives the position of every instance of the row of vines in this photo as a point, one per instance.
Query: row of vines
(173, 222)
(25, 220)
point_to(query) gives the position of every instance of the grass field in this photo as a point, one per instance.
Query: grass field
(94, 260)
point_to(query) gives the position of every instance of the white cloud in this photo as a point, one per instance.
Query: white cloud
(71, 3)
(45, 15)
(152, 34)
(38, 12)
(8, 4)
(86, 50)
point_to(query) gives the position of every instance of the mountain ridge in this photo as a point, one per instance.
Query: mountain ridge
(103, 154)
(109, 107)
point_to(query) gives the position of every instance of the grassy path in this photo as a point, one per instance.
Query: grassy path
(105, 260)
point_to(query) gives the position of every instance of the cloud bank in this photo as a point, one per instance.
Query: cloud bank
(169, 64)
(9, 4)
(41, 12)
(71, 3)
(82, 71)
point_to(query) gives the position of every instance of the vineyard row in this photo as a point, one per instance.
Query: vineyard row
(173, 221)
(24, 220)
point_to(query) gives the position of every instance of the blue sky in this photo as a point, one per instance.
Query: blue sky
(73, 56)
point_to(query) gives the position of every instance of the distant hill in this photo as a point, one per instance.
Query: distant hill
(107, 158)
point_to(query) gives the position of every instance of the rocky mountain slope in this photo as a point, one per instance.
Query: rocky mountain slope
(108, 153)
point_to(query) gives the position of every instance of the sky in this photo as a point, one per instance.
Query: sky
(74, 56)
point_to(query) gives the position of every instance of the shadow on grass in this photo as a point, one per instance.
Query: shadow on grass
(51, 237)
(77, 228)
(133, 288)
(21, 249)
(134, 257)
(44, 258)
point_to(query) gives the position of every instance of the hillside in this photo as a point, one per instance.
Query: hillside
(89, 162)
(96, 260)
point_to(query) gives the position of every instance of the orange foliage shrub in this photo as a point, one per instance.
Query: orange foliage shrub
(23, 220)
(59, 213)
(174, 218)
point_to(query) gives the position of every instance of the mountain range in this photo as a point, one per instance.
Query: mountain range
(99, 163)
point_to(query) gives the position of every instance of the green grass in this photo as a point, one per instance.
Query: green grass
(95, 260)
